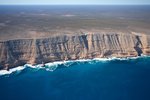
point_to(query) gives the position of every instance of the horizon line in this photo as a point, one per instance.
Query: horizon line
(75, 4)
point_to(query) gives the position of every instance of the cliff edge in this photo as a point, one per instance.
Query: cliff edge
(70, 47)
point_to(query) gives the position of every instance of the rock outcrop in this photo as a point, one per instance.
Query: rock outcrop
(66, 47)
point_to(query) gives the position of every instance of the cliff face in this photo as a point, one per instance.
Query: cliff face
(65, 47)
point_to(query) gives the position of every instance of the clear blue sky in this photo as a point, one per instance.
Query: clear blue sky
(53, 2)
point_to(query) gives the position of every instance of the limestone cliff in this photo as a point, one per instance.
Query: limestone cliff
(65, 47)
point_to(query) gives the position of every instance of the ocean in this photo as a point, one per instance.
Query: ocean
(91, 79)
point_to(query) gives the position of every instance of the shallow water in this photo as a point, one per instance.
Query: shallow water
(115, 79)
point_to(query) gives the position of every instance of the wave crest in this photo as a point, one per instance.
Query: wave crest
(54, 65)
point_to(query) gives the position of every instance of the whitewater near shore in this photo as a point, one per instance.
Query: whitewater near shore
(75, 52)
(43, 34)
(52, 66)
(15, 53)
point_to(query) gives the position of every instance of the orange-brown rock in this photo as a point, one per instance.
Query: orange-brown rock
(66, 47)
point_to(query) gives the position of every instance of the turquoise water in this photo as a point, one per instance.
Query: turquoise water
(80, 80)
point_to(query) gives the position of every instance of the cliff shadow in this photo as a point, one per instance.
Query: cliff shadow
(85, 41)
(108, 53)
(137, 48)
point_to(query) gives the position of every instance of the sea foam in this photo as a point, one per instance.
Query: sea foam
(54, 65)
(12, 70)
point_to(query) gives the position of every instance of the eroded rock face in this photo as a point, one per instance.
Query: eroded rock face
(66, 47)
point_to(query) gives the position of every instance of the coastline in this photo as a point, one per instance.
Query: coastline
(51, 66)
(72, 47)
(33, 37)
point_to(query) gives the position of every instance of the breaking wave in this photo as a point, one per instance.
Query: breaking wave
(54, 65)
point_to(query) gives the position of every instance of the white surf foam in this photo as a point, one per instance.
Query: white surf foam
(53, 65)
(5, 72)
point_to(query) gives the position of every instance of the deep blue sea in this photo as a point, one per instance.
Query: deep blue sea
(127, 79)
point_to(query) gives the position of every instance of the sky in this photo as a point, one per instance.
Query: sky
(75, 2)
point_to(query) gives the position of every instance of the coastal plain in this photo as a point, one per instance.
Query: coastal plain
(37, 34)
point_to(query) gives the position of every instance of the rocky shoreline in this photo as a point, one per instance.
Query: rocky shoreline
(18, 52)
(52, 66)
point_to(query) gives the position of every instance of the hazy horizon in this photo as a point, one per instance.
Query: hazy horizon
(76, 2)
